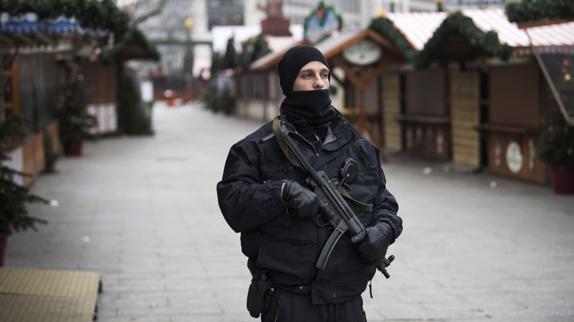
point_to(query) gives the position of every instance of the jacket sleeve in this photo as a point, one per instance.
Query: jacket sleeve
(385, 210)
(244, 199)
(385, 225)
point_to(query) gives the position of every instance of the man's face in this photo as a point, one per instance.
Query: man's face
(312, 76)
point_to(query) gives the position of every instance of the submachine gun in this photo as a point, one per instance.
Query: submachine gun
(334, 207)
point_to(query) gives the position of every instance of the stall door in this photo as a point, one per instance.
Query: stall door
(465, 118)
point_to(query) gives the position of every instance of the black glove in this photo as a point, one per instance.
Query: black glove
(303, 200)
(374, 247)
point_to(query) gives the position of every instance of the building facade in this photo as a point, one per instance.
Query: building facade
(390, 6)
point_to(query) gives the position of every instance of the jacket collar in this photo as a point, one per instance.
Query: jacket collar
(338, 136)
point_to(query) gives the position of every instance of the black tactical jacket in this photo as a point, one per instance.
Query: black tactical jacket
(287, 247)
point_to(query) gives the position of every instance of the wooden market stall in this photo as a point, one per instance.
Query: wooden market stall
(497, 104)
(457, 50)
(402, 119)
(36, 56)
(101, 84)
(31, 83)
(463, 87)
(425, 121)
(517, 101)
(477, 90)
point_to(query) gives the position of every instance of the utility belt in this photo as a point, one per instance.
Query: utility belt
(261, 289)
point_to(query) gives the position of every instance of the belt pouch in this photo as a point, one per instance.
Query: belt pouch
(256, 296)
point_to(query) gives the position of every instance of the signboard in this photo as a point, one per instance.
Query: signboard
(225, 13)
(321, 23)
(514, 157)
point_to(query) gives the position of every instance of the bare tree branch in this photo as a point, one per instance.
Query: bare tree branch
(152, 12)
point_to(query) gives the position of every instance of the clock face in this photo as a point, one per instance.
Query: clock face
(363, 53)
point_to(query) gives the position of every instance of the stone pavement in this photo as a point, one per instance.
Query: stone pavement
(143, 211)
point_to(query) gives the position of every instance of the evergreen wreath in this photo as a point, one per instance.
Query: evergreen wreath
(458, 27)
(540, 10)
(386, 28)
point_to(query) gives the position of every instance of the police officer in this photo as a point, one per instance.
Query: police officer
(266, 198)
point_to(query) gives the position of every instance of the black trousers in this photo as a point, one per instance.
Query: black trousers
(288, 306)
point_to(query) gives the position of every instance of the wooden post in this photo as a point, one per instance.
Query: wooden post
(361, 109)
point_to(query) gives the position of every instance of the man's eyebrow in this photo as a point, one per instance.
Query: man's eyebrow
(324, 69)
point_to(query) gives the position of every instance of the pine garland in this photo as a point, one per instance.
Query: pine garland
(458, 26)
(540, 10)
(386, 28)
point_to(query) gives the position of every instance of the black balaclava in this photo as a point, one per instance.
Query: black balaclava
(310, 111)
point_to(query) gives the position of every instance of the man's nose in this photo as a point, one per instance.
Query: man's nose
(319, 83)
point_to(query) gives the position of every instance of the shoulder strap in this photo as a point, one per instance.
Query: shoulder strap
(366, 207)
(282, 144)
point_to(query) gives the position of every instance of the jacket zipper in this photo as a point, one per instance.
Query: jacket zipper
(306, 141)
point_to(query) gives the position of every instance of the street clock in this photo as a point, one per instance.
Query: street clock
(363, 53)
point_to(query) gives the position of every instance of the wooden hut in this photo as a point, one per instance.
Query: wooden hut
(32, 78)
(32, 56)
(472, 93)
(496, 105)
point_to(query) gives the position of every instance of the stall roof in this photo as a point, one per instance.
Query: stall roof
(418, 28)
(333, 45)
(329, 47)
(326, 47)
(511, 34)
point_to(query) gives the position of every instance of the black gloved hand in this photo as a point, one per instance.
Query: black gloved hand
(303, 200)
(374, 247)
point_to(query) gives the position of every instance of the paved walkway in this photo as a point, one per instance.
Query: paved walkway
(143, 211)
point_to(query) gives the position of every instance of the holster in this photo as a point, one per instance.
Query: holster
(258, 295)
